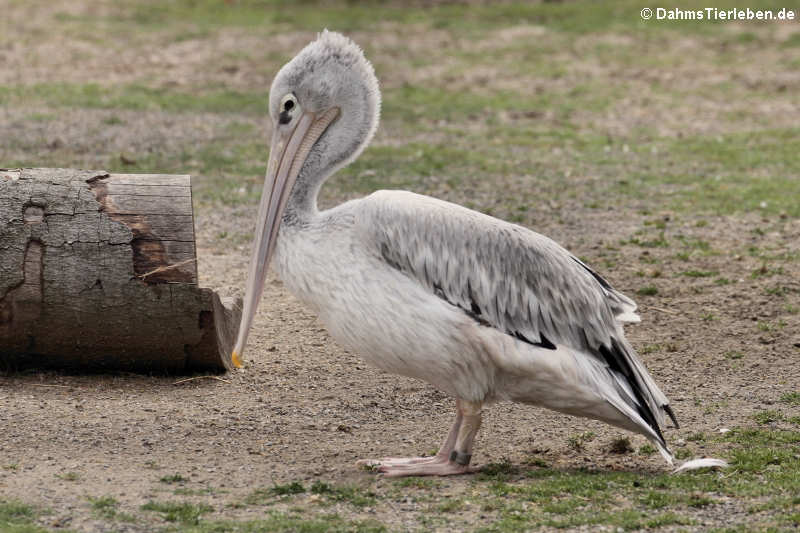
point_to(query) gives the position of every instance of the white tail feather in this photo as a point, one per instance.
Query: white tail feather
(629, 318)
(664, 451)
(695, 464)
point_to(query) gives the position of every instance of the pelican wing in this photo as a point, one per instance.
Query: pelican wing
(510, 278)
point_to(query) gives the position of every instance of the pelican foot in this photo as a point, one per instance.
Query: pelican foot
(398, 461)
(444, 468)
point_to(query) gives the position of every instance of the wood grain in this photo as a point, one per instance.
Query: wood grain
(98, 271)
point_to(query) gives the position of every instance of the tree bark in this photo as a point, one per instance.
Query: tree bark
(98, 271)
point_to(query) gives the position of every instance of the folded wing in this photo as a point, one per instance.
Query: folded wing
(510, 278)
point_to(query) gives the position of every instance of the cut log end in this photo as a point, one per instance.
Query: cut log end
(98, 272)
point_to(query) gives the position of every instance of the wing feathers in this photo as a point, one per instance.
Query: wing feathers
(511, 278)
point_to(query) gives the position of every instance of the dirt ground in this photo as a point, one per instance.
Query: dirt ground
(723, 341)
(304, 409)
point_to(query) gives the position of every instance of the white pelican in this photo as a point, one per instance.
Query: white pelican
(482, 309)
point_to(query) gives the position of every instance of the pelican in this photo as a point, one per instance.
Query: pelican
(481, 309)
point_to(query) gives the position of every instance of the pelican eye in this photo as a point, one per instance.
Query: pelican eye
(288, 105)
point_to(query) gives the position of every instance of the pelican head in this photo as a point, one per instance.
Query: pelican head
(324, 105)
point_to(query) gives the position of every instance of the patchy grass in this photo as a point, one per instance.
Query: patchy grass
(185, 491)
(647, 449)
(262, 496)
(13, 511)
(762, 476)
(173, 478)
(17, 517)
(655, 242)
(763, 466)
(506, 132)
(107, 507)
(294, 487)
(699, 273)
(534, 112)
(499, 471)
(717, 175)
(132, 97)
(287, 522)
(649, 290)
(354, 495)
(351, 494)
(792, 398)
(181, 512)
(206, 16)
(578, 442)
(768, 417)
(424, 483)
(199, 18)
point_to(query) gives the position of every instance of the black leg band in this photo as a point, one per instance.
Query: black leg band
(461, 458)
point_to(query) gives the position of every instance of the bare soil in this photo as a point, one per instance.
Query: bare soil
(303, 408)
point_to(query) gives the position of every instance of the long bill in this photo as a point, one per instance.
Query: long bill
(288, 152)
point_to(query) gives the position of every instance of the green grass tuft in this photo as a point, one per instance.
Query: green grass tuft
(181, 512)
(578, 442)
(792, 398)
(17, 517)
(699, 273)
(173, 478)
(501, 470)
(351, 494)
(647, 449)
(107, 507)
(768, 417)
(647, 291)
(15, 512)
(262, 496)
(421, 483)
(287, 522)
(295, 487)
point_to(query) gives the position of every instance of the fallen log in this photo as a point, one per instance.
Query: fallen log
(98, 271)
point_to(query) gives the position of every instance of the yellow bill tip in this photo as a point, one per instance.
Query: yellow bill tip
(236, 361)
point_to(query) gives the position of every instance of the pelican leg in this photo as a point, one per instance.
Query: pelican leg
(445, 463)
(441, 456)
